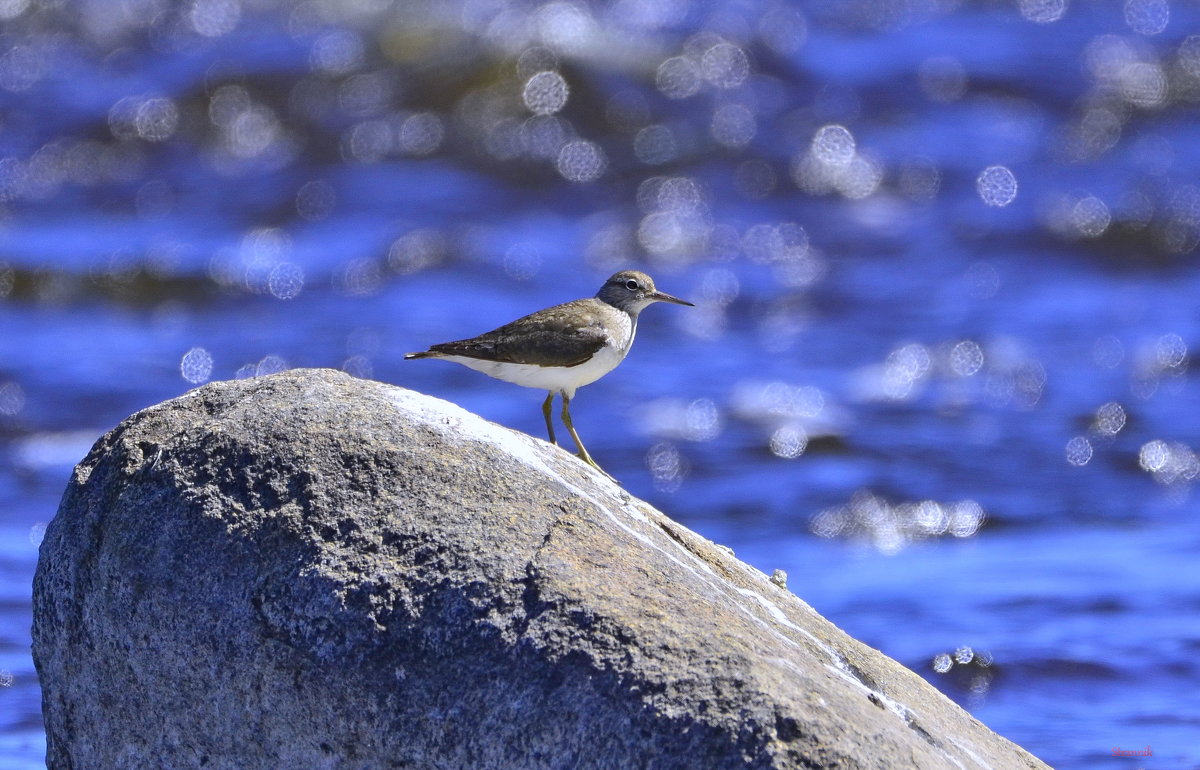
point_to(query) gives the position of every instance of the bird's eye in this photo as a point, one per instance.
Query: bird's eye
(631, 284)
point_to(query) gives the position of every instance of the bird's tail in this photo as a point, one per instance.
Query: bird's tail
(422, 354)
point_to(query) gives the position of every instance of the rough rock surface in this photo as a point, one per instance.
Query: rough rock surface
(308, 570)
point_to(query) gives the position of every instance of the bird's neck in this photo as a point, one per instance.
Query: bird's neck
(627, 342)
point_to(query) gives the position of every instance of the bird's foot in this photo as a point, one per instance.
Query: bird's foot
(588, 459)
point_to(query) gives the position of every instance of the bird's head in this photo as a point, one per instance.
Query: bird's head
(633, 290)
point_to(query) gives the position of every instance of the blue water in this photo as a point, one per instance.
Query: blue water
(944, 259)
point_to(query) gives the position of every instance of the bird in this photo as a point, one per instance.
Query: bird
(562, 348)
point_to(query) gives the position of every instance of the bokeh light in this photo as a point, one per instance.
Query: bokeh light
(420, 134)
(833, 146)
(196, 366)
(285, 280)
(889, 527)
(997, 186)
(12, 398)
(545, 93)
(678, 78)
(667, 466)
(1042, 11)
(1079, 451)
(1147, 17)
(214, 18)
(581, 161)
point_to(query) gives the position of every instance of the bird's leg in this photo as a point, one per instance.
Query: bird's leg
(583, 453)
(546, 412)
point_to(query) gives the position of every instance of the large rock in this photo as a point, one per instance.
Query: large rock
(308, 570)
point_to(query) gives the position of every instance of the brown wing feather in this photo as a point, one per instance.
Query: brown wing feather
(563, 335)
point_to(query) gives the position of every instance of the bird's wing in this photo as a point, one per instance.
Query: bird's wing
(563, 335)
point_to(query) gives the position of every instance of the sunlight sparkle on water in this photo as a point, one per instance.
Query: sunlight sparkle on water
(905, 367)
(214, 18)
(315, 200)
(286, 280)
(833, 145)
(860, 178)
(22, 66)
(253, 132)
(535, 59)
(362, 277)
(783, 29)
(1108, 351)
(1147, 17)
(368, 142)
(719, 286)
(416, 250)
(1171, 351)
(1090, 217)
(545, 93)
(12, 398)
(997, 186)
(358, 366)
(1110, 419)
(196, 366)
(655, 145)
(678, 78)
(1144, 84)
(667, 466)
(1079, 451)
(271, 364)
(889, 527)
(698, 420)
(967, 671)
(543, 136)
(420, 134)
(832, 163)
(784, 246)
(1042, 11)
(733, 126)
(337, 52)
(567, 27)
(789, 441)
(581, 161)
(1188, 56)
(966, 358)
(1170, 463)
(725, 65)
(522, 261)
(920, 179)
(156, 119)
(678, 223)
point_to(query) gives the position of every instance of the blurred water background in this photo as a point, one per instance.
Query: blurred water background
(944, 256)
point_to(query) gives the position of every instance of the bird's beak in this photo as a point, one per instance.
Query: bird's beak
(662, 296)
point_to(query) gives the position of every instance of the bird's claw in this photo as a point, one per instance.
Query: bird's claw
(588, 459)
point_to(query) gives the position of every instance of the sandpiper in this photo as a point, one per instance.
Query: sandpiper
(564, 347)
